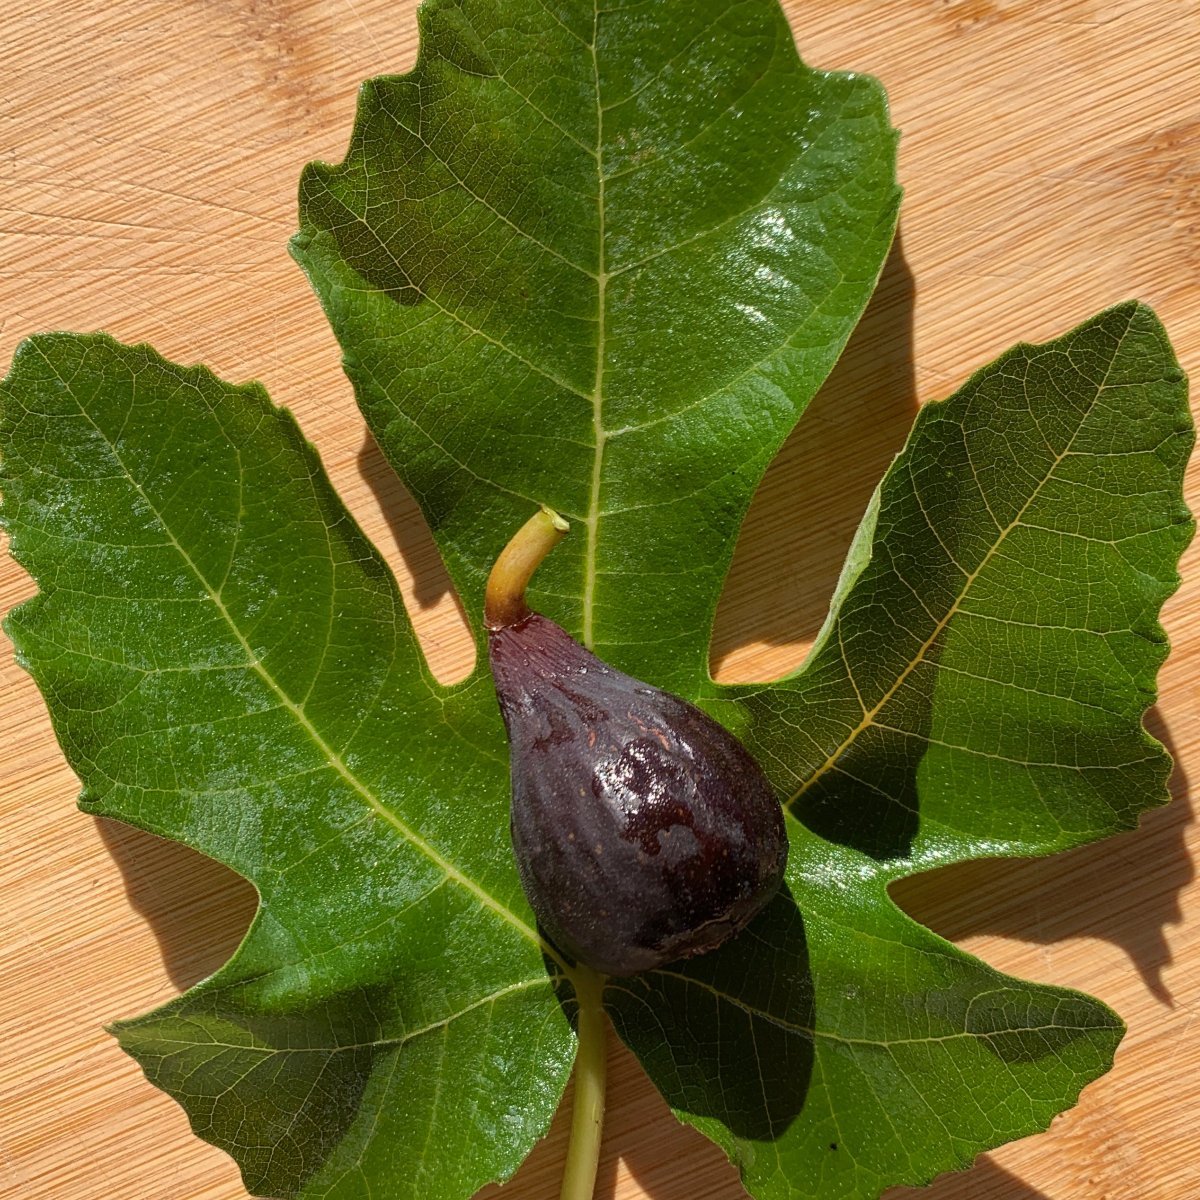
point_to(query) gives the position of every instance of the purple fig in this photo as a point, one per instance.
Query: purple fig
(643, 830)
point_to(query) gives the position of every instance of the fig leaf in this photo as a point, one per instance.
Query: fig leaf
(600, 259)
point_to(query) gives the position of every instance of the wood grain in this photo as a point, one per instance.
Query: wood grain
(150, 157)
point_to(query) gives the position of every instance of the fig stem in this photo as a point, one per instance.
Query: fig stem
(591, 1063)
(504, 601)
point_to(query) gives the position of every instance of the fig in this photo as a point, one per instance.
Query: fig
(643, 830)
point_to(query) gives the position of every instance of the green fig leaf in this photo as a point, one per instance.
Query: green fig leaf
(600, 259)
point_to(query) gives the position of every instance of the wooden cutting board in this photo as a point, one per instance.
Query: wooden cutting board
(150, 152)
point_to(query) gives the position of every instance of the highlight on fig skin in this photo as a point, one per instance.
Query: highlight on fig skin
(643, 830)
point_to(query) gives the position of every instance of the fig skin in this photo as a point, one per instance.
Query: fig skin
(643, 830)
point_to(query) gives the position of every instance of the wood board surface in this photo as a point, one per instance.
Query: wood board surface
(150, 153)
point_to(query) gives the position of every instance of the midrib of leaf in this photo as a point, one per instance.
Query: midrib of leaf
(392, 1042)
(811, 1031)
(598, 434)
(335, 760)
(869, 715)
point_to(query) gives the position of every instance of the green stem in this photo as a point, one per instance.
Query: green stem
(591, 1061)
(504, 600)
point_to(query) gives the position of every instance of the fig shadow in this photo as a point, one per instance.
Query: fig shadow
(656, 1014)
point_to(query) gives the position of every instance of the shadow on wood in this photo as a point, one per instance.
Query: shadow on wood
(984, 1181)
(1124, 889)
(667, 1159)
(420, 553)
(814, 494)
(196, 908)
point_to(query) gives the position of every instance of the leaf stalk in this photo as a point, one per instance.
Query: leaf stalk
(591, 1064)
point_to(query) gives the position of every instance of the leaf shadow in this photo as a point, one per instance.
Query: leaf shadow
(1124, 890)
(430, 579)
(984, 1181)
(197, 909)
(655, 1165)
(644, 1142)
(784, 570)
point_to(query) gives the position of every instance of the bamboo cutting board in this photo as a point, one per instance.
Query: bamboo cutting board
(150, 152)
